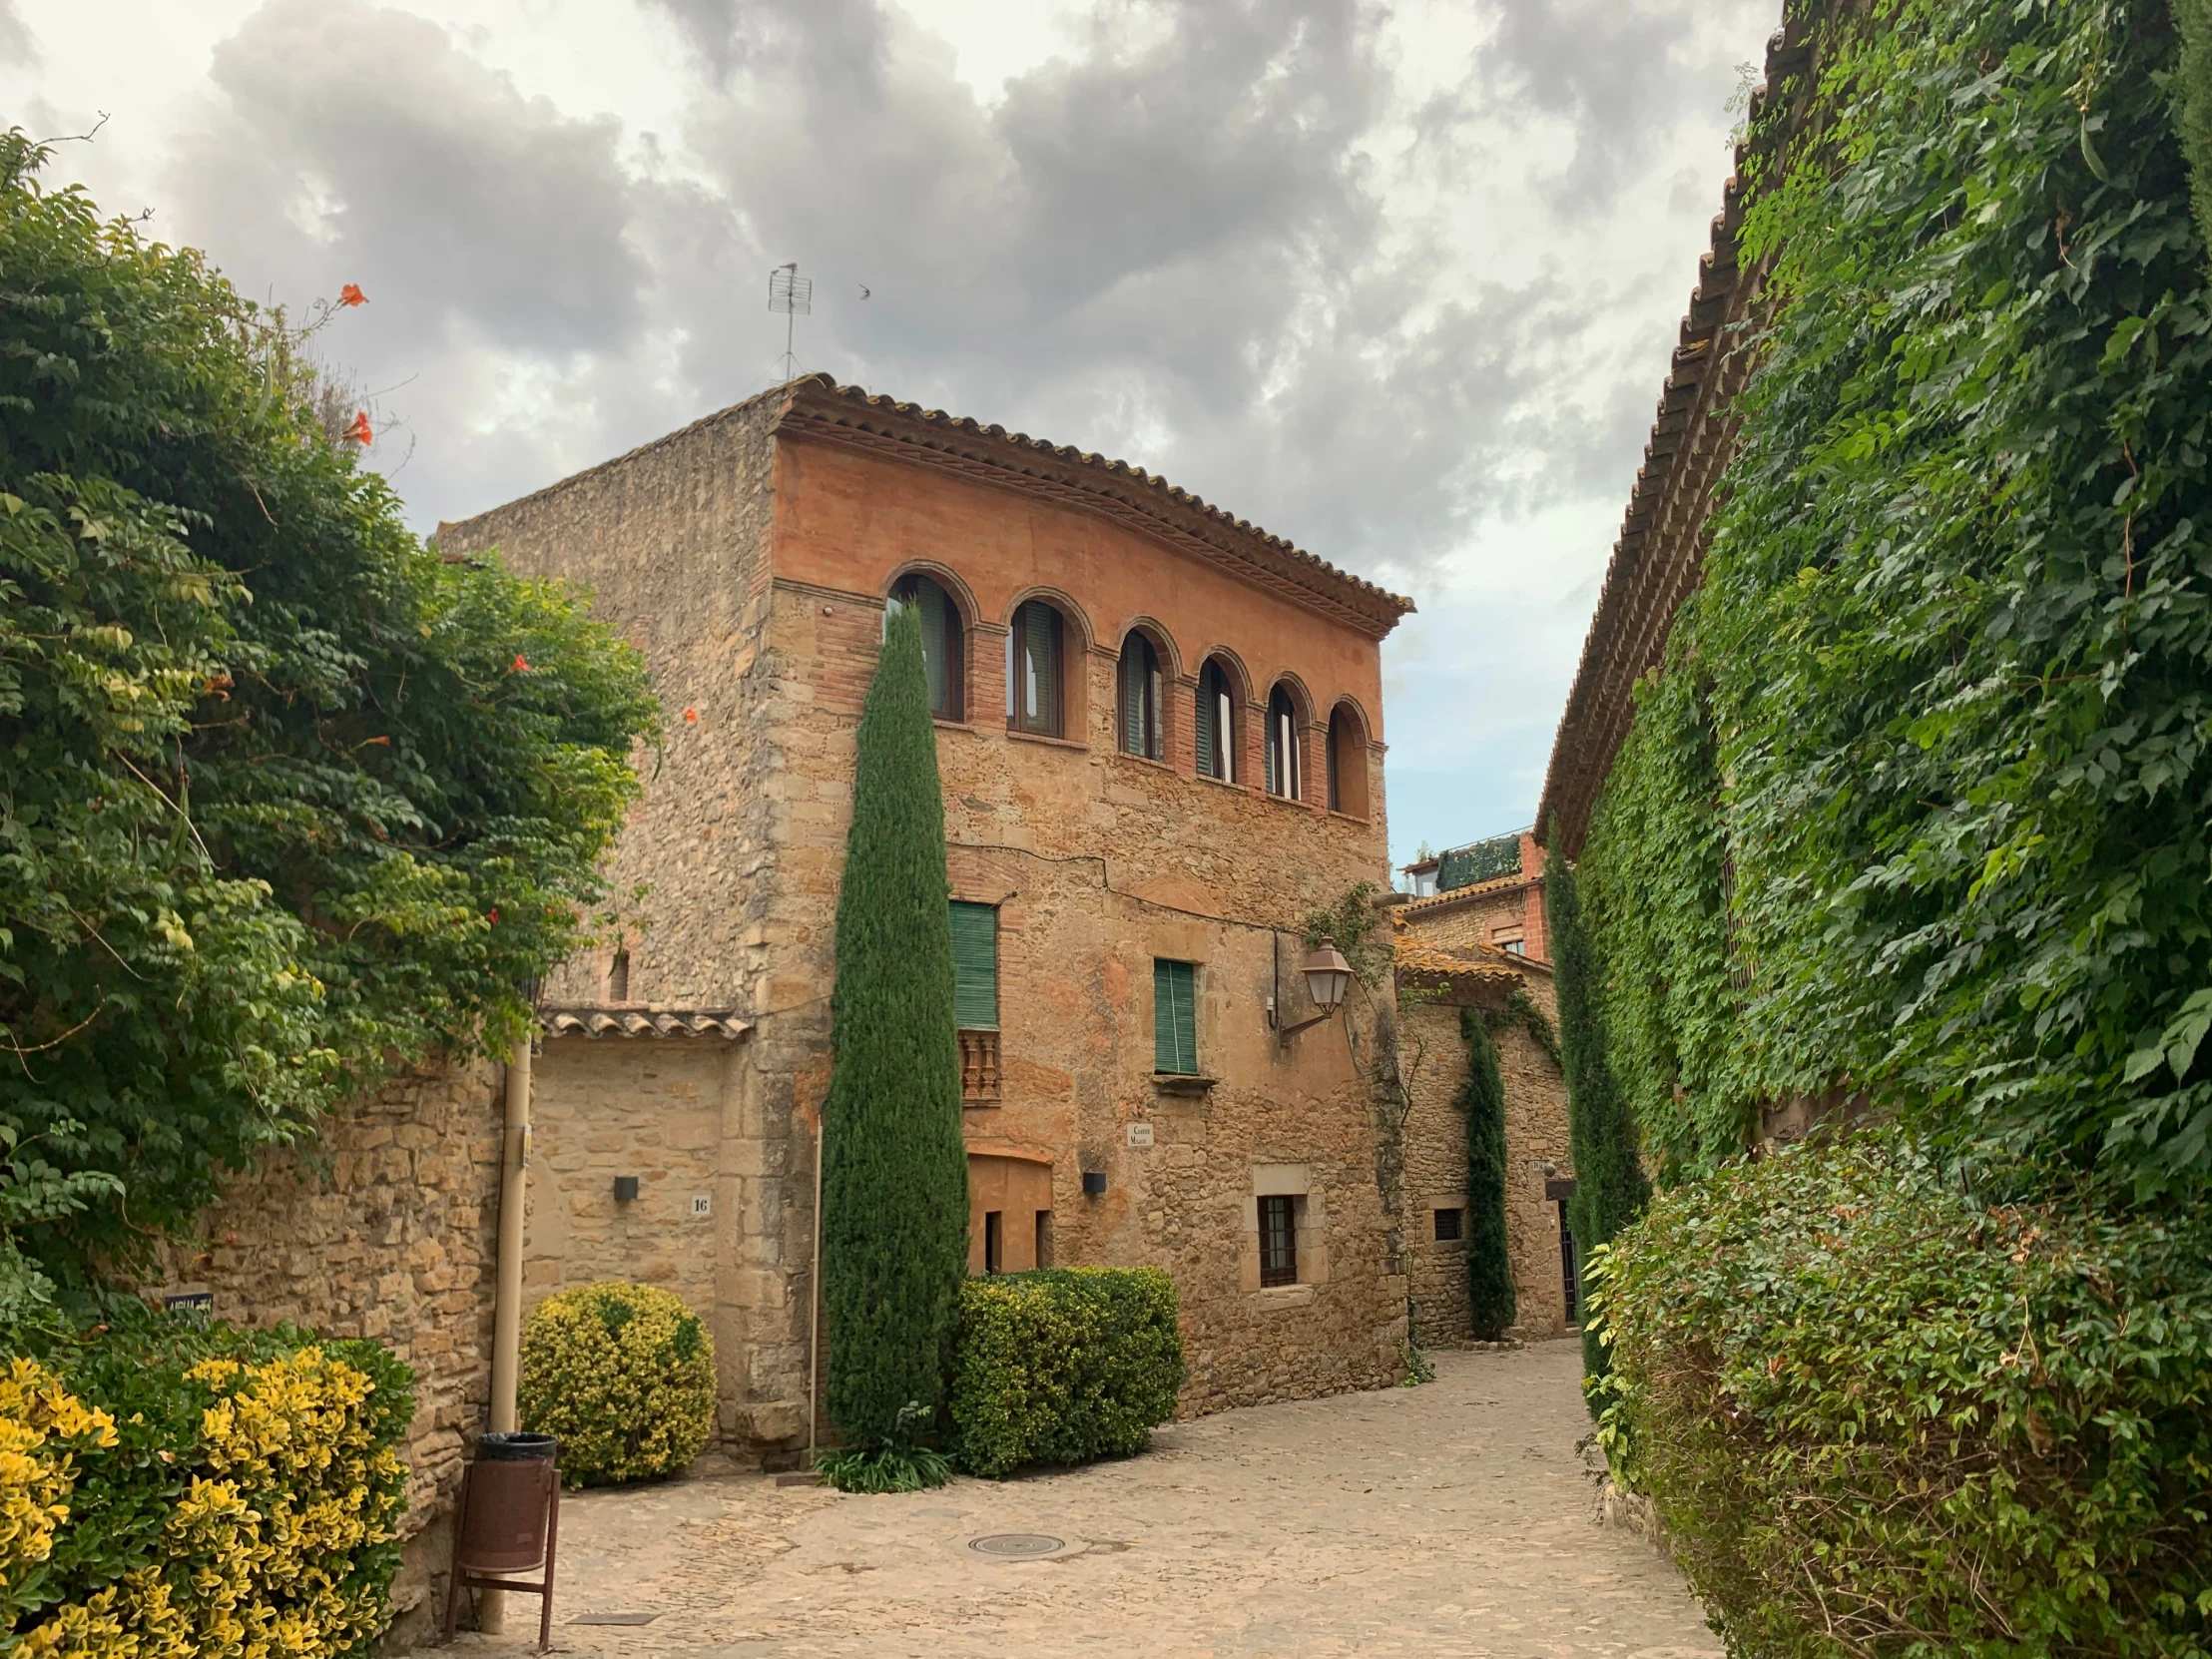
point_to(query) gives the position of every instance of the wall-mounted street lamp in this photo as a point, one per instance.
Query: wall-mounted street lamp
(1328, 979)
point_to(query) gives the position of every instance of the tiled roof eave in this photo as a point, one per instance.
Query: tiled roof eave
(593, 1021)
(819, 409)
(1658, 560)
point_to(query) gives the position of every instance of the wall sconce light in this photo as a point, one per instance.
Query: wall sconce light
(1328, 979)
(626, 1189)
(1094, 1183)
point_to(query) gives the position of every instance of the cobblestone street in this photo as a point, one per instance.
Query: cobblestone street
(1448, 1519)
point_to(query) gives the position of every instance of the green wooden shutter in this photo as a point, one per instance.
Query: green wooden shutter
(976, 967)
(932, 642)
(1132, 695)
(1207, 763)
(1174, 1017)
(1041, 696)
(1158, 735)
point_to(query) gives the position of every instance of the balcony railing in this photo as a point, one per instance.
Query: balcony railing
(979, 1066)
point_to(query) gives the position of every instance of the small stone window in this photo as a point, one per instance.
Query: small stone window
(1278, 1240)
(1450, 1226)
(618, 978)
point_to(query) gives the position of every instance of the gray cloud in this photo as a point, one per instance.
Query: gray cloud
(1188, 241)
(361, 145)
(16, 39)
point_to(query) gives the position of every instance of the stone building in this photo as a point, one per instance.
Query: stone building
(1475, 945)
(1159, 732)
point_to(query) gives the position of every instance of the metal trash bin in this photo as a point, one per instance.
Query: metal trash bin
(508, 1521)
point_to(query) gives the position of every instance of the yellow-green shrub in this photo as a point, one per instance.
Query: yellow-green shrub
(624, 1375)
(173, 1489)
(1063, 1365)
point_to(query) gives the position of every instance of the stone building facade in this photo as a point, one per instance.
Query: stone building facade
(1192, 762)
(386, 1227)
(1476, 947)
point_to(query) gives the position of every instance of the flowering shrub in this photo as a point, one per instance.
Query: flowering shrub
(178, 1490)
(1063, 1365)
(624, 1376)
(1880, 1415)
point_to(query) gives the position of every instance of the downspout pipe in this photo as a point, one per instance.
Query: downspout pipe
(506, 1320)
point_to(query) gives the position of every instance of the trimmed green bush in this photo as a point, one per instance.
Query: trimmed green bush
(623, 1374)
(1881, 1416)
(172, 1488)
(894, 1195)
(1063, 1365)
(1490, 1261)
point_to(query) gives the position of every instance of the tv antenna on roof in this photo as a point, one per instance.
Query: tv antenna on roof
(794, 295)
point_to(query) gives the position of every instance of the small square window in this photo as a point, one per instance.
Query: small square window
(1278, 1240)
(1450, 1226)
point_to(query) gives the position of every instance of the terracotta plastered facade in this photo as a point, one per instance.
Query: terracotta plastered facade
(752, 556)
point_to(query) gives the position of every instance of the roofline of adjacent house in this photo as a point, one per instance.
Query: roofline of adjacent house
(816, 407)
(1658, 560)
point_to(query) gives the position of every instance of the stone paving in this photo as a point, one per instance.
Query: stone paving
(1448, 1519)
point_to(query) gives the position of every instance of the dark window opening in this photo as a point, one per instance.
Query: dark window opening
(1347, 762)
(1282, 747)
(1139, 701)
(1277, 1241)
(1451, 1225)
(1570, 1268)
(1175, 1018)
(1217, 725)
(940, 642)
(1044, 1238)
(1033, 672)
(994, 1241)
(618, 978)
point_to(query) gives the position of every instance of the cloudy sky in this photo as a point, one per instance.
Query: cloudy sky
(1395, 281)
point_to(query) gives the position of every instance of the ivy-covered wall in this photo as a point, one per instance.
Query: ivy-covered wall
(1922, 800)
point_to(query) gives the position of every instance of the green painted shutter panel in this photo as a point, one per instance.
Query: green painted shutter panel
(976, 967)
(1158, 735)
(1132, 698)
(933, 641)
(1174, 1017)
(1043, 690)
(1207, 763)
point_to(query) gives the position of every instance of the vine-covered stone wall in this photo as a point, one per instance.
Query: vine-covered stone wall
(1920, 803)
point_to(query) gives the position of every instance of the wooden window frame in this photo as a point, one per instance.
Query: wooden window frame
(1215, 709)
(1139, 728)
(948, 698)
(1174, 994)
(1283, 771)
(1021, 670)
(1277, 1243)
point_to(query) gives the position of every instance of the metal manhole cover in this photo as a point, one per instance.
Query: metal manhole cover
(1015, 1545)
(614, 1618)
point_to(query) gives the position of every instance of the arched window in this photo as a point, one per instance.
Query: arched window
(1283, 778)
(1139, 701)
(1217, 724)
(940, 642)
(1347, 762)
(1036, 652)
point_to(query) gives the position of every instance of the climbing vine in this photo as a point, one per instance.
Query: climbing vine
(1488, 1256)
(1928, 772)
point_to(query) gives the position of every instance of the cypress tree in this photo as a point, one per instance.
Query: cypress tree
(1609, 1188)
(1489, 1261)
(894, 1171)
